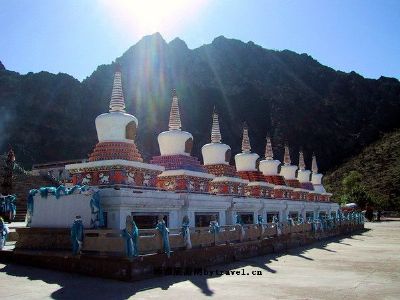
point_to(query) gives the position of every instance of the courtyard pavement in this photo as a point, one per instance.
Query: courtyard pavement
(364, 266)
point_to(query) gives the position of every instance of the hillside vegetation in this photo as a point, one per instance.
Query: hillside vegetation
(379, 169)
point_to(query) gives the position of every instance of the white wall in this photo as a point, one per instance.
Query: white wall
(60, 213)
(118, 204)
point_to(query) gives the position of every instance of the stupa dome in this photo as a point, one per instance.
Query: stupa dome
(116, 125)
(216, 152)
(175, 141)
(246, 161)
(269, 166)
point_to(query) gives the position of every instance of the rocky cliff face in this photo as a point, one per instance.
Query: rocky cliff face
(290, 95)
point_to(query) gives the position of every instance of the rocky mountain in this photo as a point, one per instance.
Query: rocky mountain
(292, 96)
(379, 168)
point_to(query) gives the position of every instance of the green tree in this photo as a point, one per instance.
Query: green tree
(351, 181)
(354, 191)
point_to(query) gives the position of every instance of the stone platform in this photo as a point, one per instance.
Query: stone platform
(152, 265)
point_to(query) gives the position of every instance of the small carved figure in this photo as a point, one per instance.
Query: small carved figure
(86, 180)
(131, 177)
(104, 179)
(146, 180)
(191, 185)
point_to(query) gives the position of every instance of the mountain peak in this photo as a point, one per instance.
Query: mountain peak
(2, 67)
(219, 39)
(177, 43)
(224, 41)
(153, 37)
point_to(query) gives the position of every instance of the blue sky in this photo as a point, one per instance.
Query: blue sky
(76, 36)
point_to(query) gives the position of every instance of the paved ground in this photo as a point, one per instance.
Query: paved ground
(365, 266)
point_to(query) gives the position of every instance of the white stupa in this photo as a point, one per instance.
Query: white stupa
(216, 152)
(303, 175)
(288, 171)
(269, 166)
(175, 141)
(116, 125)
(115, 150)
(246, 161)
(316, 178)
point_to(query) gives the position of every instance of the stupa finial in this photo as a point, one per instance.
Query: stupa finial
(302, 164)
(286, 157)
(314, 166)
(117, 102)
(174, 116)
(269, 154)
(246, 141)
(215, 131)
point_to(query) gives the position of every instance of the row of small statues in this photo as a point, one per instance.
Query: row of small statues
(131, 232)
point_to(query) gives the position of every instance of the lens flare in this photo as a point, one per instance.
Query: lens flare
(142, 17)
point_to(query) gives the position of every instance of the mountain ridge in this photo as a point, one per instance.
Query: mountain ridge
(292, 96)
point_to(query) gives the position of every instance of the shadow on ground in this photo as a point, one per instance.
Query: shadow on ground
(72, 286)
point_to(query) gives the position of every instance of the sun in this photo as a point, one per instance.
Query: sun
(149, 16)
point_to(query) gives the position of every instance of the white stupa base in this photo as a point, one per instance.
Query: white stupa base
(118, 204)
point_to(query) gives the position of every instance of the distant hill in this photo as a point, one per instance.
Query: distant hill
(48, 117)
(379, 166)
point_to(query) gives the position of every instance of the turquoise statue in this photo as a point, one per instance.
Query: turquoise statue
(131, 236)
(239, 221)
(30, 205)
(260, 220)
(162, 228)
(97, 219)
(77, 235)
(186, 232)
(214, 225)
(3, 233)
(8, 209)
(278, 225)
